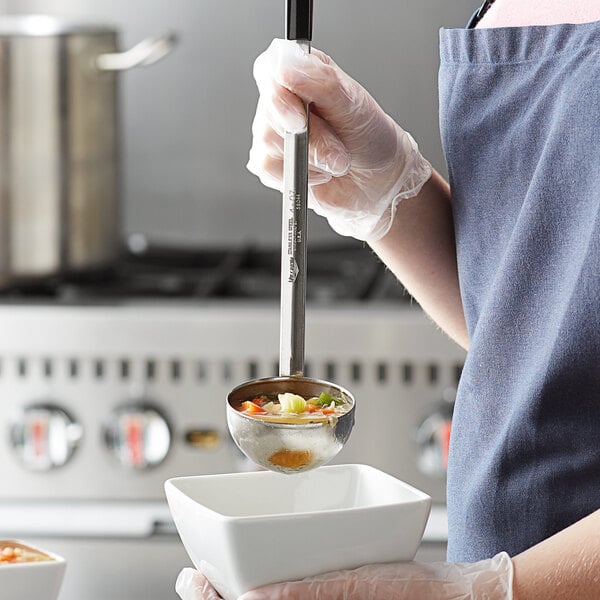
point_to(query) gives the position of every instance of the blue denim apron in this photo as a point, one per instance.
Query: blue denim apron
(520, 123)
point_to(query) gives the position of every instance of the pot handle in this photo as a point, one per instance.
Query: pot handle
(147, 52)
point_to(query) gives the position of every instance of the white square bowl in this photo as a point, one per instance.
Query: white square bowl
(31, 580)
(252, 529)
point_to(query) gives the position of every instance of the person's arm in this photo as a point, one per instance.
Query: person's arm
(420, 250)
(565, 566)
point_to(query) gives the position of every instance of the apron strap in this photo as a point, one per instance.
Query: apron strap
(478, 14)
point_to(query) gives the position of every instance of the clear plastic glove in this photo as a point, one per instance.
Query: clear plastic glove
(193, 585)
(484, 580)
(361, 163)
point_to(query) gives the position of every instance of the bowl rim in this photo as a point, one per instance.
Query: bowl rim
(56, 558)
(420, 497)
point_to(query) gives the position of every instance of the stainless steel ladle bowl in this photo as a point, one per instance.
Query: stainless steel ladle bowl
(289, 447)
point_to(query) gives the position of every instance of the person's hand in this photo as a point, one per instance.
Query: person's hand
(193, 585)
(361, 163)
(484, 580)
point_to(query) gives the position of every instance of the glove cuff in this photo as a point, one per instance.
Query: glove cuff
(369, 220)
(492, 579)
(416, 172)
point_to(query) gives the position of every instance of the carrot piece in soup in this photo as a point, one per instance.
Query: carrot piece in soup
(252, 408)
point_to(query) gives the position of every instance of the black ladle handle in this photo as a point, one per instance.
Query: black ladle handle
(298, 20)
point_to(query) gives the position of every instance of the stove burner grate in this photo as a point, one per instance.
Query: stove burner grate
(348, 272)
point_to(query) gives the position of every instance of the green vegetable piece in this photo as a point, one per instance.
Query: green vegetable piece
(291, 403)
(326, 399)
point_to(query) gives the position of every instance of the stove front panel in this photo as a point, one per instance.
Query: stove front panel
(107, 402)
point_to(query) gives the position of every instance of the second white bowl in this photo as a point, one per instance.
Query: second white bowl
(31, 580)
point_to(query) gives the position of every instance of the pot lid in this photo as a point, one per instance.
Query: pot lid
(45, 25)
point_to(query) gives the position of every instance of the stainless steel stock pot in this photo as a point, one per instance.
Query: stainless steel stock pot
(59, 144)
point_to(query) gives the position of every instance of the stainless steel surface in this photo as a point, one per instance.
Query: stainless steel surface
(59, 147)
(293, 249)
(185, 358)
(46, 25)
(319, 442)
(137, 435)
(147, 52)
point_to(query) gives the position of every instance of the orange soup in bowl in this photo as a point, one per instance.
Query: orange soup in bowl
(12, 552)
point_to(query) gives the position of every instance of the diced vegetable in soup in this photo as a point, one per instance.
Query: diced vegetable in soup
(12, 552)
(291, 459)
(291, 408)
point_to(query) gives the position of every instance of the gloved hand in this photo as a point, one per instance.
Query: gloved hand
(361, 163)
(193, 585)
(484, 580)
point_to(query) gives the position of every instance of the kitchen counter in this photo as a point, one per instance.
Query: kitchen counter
(129, 519)
(436, 529)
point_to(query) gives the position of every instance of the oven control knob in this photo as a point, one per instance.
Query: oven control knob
(137, 435)
(433, 437)
(45, 437)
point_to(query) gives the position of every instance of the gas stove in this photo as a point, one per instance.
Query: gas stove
(114, 382)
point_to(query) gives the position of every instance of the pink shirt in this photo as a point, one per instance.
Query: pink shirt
(508, 13)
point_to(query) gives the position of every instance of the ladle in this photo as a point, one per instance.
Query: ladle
(305, 445)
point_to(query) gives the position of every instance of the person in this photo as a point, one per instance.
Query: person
(505, 258)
